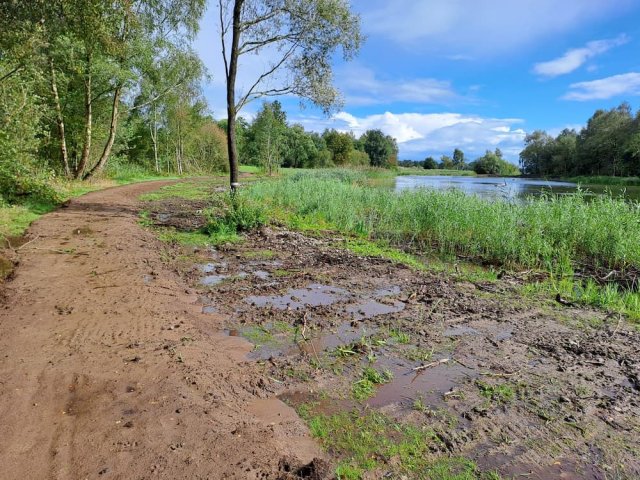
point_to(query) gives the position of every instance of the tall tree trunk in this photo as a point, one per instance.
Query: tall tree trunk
(113, 127)
(232, 148)
(154, 138)
(59, 120)
(88, 120)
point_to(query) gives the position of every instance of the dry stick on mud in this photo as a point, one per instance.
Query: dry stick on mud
(432, 364)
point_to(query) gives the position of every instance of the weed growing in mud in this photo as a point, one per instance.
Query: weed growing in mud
(234, 213)
(365, 387)
(259, 254)
(372, 442)
(400, 336)
(609, 297)
(417, 354)
(501, 393)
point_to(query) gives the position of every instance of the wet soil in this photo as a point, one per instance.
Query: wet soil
(108, 369)
(519, 386)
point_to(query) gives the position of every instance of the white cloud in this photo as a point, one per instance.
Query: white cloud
(605, 88)
(576, 57)
(421, 134)
(481, 28)
(362, 86)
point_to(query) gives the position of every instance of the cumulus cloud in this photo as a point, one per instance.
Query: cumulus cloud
(576, 57)
(363, 87)
(422, 134)
(605, 88)
(481, 27)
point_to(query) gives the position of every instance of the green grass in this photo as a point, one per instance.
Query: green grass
(365, 386)
(500, 393)
(605, 180)
(548, 233)
(372, 442)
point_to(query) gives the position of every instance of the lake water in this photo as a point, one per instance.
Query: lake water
(511, 189)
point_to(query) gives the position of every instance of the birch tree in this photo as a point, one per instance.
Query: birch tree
(300, 37)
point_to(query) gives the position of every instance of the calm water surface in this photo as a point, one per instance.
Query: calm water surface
(512, 189)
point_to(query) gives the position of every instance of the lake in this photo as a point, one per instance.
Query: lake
(511, 189)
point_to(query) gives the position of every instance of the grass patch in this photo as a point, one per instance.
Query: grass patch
(190, 239)
(365, 386)
(373, 442)
(605, 180)
(259, 255)
(500, 393)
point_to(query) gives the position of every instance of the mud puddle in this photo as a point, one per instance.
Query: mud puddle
(428, 387)
(313, 295)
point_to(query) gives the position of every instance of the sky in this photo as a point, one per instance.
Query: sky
(470, 74)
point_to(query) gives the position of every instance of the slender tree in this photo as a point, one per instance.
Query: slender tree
(301, 36)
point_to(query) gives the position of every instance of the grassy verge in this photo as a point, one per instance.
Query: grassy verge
(372, 442)
(604, 180)
(554, 234)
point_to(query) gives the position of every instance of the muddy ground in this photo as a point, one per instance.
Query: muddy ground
(523, 387)
(125, 357)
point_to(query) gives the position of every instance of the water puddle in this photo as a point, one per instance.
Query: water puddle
(459, 331)
(163, 217)
(561, 469)
(371, 308)
(328, 340)
(261, 274)
(213, 267)
(321, 405)
(312, 296)
(430, 385)
(212, 280)
(387, 292)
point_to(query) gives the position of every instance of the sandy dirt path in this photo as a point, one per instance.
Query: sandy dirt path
(108, 370)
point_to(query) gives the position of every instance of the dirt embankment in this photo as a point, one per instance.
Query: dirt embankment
(107, 370)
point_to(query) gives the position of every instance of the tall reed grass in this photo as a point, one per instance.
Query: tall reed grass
(551, 232)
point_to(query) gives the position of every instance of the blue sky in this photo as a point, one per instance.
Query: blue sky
(473, 74)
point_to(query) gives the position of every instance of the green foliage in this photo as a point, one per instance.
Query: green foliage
(380, 148)
(492, 163)
(234, 213)
(609, 145)
(365, 386)
(371, 441)
(430, 163)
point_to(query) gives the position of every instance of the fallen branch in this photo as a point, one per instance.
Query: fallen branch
(432, 364)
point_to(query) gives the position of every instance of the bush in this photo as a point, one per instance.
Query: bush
(20, 182)
(234, 213)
